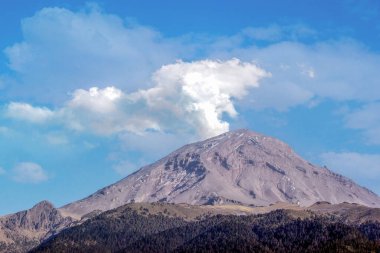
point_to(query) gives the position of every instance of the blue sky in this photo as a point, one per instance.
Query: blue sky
(91, 91)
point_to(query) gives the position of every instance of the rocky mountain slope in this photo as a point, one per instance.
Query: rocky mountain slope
(26, 229)
(241, 167)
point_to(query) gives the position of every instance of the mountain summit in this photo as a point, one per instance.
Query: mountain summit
(24, 230)
(236, 167)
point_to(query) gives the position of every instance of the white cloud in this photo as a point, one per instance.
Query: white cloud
(303, 75)
(200, 92)
(186, 96)
(63, 50)
(342, 70)
(96, 110)
(28, 172)
(28, 113)
(365, 168)
(367, 119)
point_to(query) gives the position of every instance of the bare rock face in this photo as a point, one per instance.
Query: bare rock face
(236, 167)
(24, 230)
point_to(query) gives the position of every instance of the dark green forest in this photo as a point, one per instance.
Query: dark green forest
(277, 231)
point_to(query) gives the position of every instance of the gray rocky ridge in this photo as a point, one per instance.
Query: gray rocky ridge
(241, 167)
(23, 230)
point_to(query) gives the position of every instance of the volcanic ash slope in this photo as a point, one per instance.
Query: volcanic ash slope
(236, 167)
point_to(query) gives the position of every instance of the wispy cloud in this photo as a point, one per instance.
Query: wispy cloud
(96, 49)
(275, 33)
(342, 70)
(4, 130)
(56, 139)
(29, 172)
(28, 112)
(62, 50)
(367, 119)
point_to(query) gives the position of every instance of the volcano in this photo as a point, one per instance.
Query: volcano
(240, 167)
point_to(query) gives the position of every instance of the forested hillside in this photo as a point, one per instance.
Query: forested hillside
(129, 230)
